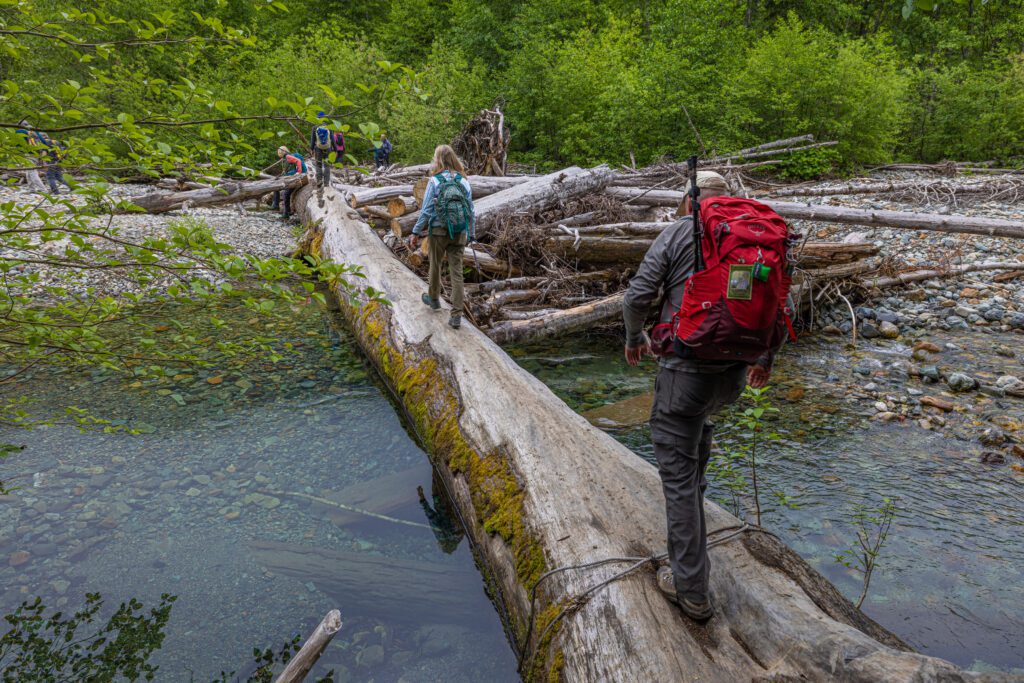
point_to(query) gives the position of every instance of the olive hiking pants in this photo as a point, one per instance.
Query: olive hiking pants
(442, 246)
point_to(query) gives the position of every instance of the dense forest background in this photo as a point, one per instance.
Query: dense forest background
(586, 81)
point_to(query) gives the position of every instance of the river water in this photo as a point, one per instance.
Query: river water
(211, 502)
(948, 580)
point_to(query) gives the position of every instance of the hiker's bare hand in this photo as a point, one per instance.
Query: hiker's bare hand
(634, 354)
(414, 242)
(757, 376)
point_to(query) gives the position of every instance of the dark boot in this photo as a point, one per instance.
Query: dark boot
(455, 321)
(698, 611)
(433, 303)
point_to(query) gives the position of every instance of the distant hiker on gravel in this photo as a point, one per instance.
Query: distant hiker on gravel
(719, 329)
(294, 163)
(382, 153)
(449, 221)
(322, 143)
(31, 139)
(53, 152)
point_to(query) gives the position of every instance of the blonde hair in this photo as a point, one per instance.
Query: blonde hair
(445, 159)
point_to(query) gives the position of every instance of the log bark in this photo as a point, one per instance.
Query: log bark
(559, 323)
(540, 488)
(974, 225)
(928, 274)
(599, 250)
(539, 194)
(399, 206)
(775, 144)
(822, 254)
(767, 153)
(299, 665)
(943, 186)
(227, 193)
(378, 195)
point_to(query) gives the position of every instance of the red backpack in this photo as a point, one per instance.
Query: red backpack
(735, 309)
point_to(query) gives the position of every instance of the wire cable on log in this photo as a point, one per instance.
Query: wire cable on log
(575, 602)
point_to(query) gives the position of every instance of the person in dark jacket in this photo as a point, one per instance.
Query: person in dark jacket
(382, 153)
(687, 393)
(333, 142)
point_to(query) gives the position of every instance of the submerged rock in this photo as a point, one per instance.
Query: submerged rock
(959, 381)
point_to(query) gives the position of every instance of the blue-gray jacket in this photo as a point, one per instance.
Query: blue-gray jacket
(428, 214)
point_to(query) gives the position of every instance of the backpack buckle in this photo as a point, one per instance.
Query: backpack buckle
(706, 305)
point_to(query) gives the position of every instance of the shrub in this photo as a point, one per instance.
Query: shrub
(798, 80)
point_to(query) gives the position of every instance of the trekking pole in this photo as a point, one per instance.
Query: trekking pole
(698, 230)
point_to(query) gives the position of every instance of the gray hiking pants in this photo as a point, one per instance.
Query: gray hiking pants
(681, 430)
(322, 164)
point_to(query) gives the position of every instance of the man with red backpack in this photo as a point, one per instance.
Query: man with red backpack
(707, 352)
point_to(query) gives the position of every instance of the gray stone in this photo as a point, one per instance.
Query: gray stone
(959, 381)
(1015, 320)
(868, 330)
(889, 330)
(370, 657)
(930, 372)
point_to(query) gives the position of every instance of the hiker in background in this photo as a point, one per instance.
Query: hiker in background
(53, 152)
(32, 179)
(688, 391)
(294, 163)
(382, 153)
(448, 220)
(322, 143)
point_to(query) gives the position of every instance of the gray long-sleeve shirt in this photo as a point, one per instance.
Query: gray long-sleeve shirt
(661, 277)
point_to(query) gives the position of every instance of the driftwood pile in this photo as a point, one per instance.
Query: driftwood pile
(483, 143)
(554, 253)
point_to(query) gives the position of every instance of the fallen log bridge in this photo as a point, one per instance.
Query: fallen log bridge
(541, 489)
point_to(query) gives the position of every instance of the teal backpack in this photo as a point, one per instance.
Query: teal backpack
(453, 208)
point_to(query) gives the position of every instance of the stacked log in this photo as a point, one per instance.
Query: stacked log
(482, 145)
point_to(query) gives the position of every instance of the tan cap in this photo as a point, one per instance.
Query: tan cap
(711, 184)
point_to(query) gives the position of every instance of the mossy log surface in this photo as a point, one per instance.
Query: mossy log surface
(541, 488)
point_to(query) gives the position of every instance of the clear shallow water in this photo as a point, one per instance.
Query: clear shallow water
(211, 503)
(949, 575)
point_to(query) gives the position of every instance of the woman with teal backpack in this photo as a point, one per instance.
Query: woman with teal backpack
(448, 220)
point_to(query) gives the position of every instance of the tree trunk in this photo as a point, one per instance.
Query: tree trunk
(600, 250)
(539, 194)
(559, 323)
(974, 225)
(399, 206)
(926, 274)
(378, 195)
(227, 193)
(540, 488)
(299, 665)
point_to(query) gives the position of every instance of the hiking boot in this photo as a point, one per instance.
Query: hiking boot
(433, 303)
(698, 611)
(455, 321)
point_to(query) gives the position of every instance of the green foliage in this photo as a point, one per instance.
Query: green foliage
(736, 466)
(965, 113)
(799, 80)
(450, 90)
(50, 647)
(46, 648)
(872, 524)
(808, 164)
